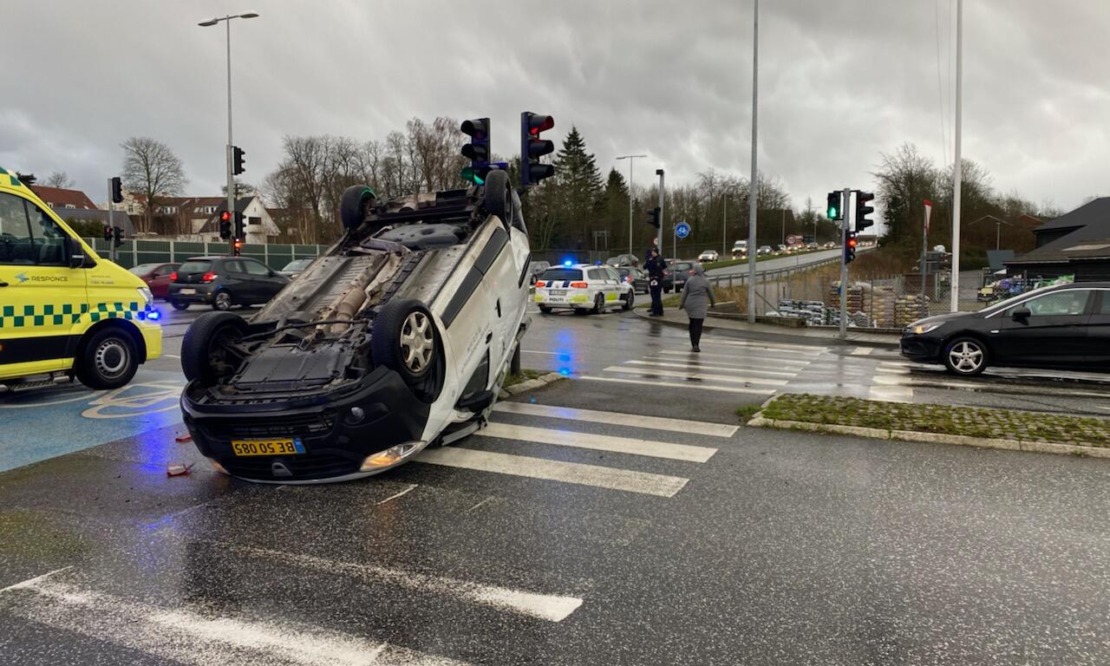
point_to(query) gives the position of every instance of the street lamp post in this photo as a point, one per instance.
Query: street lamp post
(228, 150)
(631, 160)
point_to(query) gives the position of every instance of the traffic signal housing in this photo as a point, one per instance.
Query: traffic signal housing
(117, 190)
(237, 247)
(653, 217)
(834, 210)
(477, 151)
(117, 234)
(850, 243)
(225, 225)
(532, 148)
(237, 160)
(240, 233)
(107, 232)
(863, 210)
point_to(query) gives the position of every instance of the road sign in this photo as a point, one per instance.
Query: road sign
(682, 230)
(790, 240)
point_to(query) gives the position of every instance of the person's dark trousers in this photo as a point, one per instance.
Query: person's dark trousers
(695, 333)
(657, 300)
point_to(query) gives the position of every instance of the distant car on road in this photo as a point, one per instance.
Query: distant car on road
(623, 260)
(676, 275)
(156, 276)
(739, 249)
(1059, 327)
(535, 269)
(223, 282)
(812, 246)
(708, 256)
(763, 250)
(295, 267)
(583, 288)
(635, 277)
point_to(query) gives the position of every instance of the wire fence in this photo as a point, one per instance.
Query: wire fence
(134, 252)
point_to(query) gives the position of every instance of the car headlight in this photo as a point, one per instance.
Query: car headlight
(923, 328)
(147, 296)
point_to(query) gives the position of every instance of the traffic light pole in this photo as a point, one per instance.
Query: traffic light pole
(845, 212)
(659, 172)
(230, 143)
(111, 223)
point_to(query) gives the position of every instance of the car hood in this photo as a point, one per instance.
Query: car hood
(941, 318)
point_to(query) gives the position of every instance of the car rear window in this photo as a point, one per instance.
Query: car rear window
(142, 269)
(195, 267)
(556, 274)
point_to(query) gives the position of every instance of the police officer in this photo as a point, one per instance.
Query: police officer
(655, 266)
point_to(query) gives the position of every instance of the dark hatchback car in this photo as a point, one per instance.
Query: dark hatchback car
(223, 282)
(676, 274)
(156, 277)
(635, 277)
(1065, 327)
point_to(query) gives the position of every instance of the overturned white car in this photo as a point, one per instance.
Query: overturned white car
(396, 339)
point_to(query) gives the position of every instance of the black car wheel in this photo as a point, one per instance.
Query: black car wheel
(179, 305)
(629, 301)
(209, 350)
(108, 360)
(599, 304)
(545, 309)
(353, 205)
(966, 356)
(499, 196)
(404, 339)
(222, 301)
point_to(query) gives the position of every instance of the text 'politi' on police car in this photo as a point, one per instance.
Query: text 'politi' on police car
(583, 288)
(399, 337)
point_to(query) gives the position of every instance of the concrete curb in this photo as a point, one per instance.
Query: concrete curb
(937, 438)
(530, 385)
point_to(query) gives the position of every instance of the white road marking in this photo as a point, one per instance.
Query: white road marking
(697, 386)
(699, 375)
(199, 638)
(482, 503)
(862, 351)
(582, 440)
(891, 394)
(393, 497)
(552, 608)
(772, 361)
(715, 366)
(803, 350)
(652, 422)
(554, 470)
(30, 583)
(533, 351)
(171, 356)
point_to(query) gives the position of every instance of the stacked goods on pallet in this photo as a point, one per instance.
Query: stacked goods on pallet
(910, 308)
(813, 312)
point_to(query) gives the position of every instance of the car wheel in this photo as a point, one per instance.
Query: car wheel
(499, 196)
(108, 360)
(353, 204)
(179, 305)
(545, 309)
(581, 311)
(599, 304)
(629, 301)
(208, 350)
(222, 301)
(966, 356)
(403, 339)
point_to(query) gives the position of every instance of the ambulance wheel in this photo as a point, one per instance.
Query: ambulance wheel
(107, 360)
(209, 349)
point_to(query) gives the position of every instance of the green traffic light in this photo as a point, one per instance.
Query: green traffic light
(833, 214)
(471, 175)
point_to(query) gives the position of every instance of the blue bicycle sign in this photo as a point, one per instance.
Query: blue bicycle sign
(682, 230)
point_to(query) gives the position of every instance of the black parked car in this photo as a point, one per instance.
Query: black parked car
(635, 277)
(674, 278)
(222, 282)
(1060, 327)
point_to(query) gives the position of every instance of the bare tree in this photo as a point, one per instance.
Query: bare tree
(151, 168)
(60, 180)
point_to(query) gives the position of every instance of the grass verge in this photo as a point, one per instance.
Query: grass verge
(525, 375)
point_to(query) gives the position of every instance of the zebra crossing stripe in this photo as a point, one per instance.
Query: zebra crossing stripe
(692, 385)
(797, 350)
(731, 379)
(582, 440)
(694, 365)
(748, 361)
(615, 418)
(553, 470)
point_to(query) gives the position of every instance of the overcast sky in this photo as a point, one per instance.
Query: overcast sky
(841, 81)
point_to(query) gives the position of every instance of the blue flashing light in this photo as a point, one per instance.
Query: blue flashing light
(564, 372)
(153, 315)
(568, 263)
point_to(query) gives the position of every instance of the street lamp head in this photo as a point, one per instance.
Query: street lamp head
(206, 24)
(249, 15)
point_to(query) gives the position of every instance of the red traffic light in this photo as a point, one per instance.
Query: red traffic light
(852, 242)
(537, 124)
(225, 216)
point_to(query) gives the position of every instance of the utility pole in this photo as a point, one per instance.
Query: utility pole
(659, 172)
(631, 160)
(111, 223)
(959, 166)
(845, 225)
(755, 178)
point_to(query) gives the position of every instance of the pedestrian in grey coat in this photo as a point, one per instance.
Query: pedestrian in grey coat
(697, 296)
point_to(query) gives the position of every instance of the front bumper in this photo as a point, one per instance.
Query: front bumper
(333, 443)
(921, 350)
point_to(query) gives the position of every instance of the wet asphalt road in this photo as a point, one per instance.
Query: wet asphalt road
(603, 539)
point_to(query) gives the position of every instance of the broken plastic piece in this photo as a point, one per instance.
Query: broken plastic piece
(178, 469)
(183, 438)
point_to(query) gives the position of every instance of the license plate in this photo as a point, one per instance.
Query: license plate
(188, 291)
(556, 299)
(556, 292)
(267, 447)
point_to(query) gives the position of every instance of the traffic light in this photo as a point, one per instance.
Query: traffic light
(834, 210)
(239, 232)
(477, 151)
(117, 190)
(107, 232)
(225, 225)
(532, 148)
(862, 210)
(653, 217)
(849, 246)
(117, 233)
(237, 160)
(237, 247)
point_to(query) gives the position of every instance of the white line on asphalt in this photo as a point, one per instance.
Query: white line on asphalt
(403, 492)
(893, 370)
(553, 608)
(862, 351)
(482, 503)
(194, 637)
(170, 356)
(691, 385)
(699, 376)
(554, 470)
(891, 394)
(32, 582)
(532, 351)
(652, 422)
(582, 440)
(776, 362)
(803, 350)
(714, 366)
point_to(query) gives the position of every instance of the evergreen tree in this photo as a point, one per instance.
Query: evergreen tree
(579, 184)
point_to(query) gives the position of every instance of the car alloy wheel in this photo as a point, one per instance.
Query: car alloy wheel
(417, 342)
(629, 300)
(599, 304)
(222, 301)
(403, 338)
(966, 356)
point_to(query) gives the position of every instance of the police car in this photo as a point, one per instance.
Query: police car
(583, 288)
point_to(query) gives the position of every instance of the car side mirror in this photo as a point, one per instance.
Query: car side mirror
(1021, 314)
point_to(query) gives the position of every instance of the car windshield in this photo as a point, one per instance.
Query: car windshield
(556, 274)
(297, 265)
(195, 267)
(143, 269)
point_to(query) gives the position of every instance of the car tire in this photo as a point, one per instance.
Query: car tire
(581, 311)
(179, 305)
(404, 339)
(545, 309)
(108, 360)
(205, 352)
(353, 205)
(629, 300)
(222, 300)
(599, 304)
(498, 198)
(966, 356)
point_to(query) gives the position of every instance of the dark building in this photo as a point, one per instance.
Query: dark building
(1077, 243)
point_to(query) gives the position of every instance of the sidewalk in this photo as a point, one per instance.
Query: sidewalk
(736, 325)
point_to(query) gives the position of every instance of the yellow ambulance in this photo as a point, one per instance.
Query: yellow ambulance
(64, 311)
